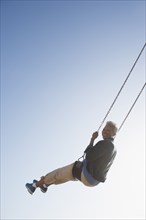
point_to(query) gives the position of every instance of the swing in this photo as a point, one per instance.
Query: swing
(81, 166)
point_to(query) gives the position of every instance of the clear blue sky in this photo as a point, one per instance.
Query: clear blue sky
(62, 64)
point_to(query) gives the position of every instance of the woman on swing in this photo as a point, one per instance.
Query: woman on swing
(91, 171)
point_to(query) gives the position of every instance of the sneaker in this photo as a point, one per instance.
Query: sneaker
(43, 188)
(30, 188)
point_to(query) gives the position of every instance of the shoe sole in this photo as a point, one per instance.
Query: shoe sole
(43, 190)
(29, 190)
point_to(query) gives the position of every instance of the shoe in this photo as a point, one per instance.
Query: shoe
(30, 188)
(42, 188)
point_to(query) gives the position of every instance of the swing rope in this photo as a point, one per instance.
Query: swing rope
(121, 87)
(132, 107)
(126, 115)
(119, 94)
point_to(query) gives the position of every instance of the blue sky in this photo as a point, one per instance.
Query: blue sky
(62, 64)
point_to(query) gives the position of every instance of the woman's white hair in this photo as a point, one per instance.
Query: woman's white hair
(113, 126)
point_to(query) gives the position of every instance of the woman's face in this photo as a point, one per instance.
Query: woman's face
(108, 132)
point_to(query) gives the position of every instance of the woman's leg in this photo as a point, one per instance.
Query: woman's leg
(58, 176)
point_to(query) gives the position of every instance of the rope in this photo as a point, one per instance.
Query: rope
(132, 106)
(122, 87)
(82, 157)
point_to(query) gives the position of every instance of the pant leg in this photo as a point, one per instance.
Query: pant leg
(60, 175)
(84, 180)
